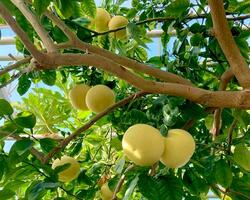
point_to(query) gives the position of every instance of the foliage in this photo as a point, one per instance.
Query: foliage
(219, 166)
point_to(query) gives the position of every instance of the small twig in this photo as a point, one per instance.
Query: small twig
(67, 140)
(16, 76)
(48, 177)
(121, 181)
(224, 80)
(162, 19)
(230, 190)
(152, 171)
(230, 136)
(13, 78)
(39, 155)
(15, 65)
(12, 57)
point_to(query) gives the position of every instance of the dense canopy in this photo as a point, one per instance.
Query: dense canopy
(199, 81)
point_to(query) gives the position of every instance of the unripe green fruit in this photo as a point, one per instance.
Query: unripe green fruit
(69, 173)
(106, 193)
(118, 22)
(99, 98)
(143, 144)
(101, 20)
(179, 148)
(77, 96)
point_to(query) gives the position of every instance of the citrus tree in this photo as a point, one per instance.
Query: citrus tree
(100, 119)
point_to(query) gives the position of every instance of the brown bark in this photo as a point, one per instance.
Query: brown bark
(224, 36)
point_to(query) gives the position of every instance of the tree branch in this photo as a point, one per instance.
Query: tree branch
(238, 99)
(124, 61)
(39, 155)
(32, 19)
(15, 65)
(18, 30)
(13, 78)
(224, 80)
(65, 29)
(121, 181)
(224, 36)
(67, 140)
(163, 19)
(230, 136)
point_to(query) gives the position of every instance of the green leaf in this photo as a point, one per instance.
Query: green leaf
(15, 185)
(81, 21)
(149, 188)
(196, 39)
(170, 115)
(76, 148)
(165, 188)
(116, 143)
(67, 8)
(11, 127)
(49, 77)
(119, 166)
(22, 146)
(24, 84)
(6, 194)
(240, 188)
(26, 119)
(41, 6)
(130, 188)
(223, 173)
(47, 144)
(177, 8)
(136, 33)
(242, 156)
(37, 189)
(89, 7)
(194, 183)
(5, 108)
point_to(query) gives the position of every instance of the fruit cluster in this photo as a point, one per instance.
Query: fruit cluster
(96, 99)
(103, 22)
(144, 145)
(141, 143)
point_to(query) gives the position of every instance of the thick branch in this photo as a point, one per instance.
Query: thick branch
(224, 36)
(129, 63)
(225, 79)
(65, 142)
(43, 34)
(238, 99)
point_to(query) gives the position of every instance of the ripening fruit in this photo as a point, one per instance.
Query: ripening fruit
(101, 20)
(143, 144)
(118, 22)
(179, 148)
(71, 172)
(99, 98)
(77, 96)
(106, 193)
